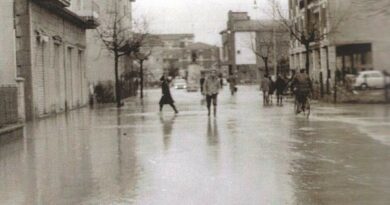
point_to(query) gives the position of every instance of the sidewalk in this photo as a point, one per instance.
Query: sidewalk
(11, 132)
(357, 96)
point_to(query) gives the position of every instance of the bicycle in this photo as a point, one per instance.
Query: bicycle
(306, 110)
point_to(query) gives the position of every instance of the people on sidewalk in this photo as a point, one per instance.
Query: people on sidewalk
(265, 86)
(166, 94)
(211, 88)
(280, 86)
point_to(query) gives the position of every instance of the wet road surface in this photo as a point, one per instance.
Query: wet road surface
(248, 154)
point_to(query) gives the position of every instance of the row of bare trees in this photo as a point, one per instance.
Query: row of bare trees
(122, 38)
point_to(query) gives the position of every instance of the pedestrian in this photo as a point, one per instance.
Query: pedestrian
(211, 88)
(232, 84)
(91, 94)
(280, 86)
(221, 79)
(202, 79)
(166, 94)
(265, 85)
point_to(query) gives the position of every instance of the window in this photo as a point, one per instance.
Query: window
(56, 57)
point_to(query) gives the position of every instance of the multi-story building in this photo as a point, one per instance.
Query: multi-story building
(100, 61)
(207, 56)
(353, 36)
(168, 53)
(244, 39)
(50, 53)
(173, 53)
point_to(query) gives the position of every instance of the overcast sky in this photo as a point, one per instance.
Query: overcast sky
(204, 18)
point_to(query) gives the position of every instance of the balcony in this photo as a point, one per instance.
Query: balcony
(90, 14)
(57, 3)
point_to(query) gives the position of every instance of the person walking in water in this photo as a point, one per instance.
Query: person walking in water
(211, 88)
(166, 94)
(265, 87)
(280, 86)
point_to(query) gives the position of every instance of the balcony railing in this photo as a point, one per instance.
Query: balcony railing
(90, 13)
(59, 3)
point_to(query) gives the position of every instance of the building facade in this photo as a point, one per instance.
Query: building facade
(168, 54)
(207, 56)
(7, 49)
(100, 62)
(243, 42)
(354, 37)
(174, 52)
(50, 53)
(9, 87)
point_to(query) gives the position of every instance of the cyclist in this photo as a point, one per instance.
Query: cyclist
(303, 88)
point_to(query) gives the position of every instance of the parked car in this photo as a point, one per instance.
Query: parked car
(180, 84)
(371, 79)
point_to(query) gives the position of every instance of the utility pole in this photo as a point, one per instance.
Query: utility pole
(274, 37)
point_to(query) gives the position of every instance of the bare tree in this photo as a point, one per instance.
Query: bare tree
(141, 56)
(309, 30)
(120, 38)
(262, 47)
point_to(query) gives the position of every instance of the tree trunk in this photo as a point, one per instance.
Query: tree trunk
(142, 78)
(307, 65)
(266, 66)
(117, 86)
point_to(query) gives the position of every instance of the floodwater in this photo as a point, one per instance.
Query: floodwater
(248, 154)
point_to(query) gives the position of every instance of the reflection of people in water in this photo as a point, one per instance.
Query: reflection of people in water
(212, 133)
(167, 125)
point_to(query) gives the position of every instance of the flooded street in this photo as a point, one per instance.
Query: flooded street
(248, 154)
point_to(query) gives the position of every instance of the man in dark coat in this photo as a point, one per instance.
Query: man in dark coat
(280, 86)
(166, 94)
(202, 79)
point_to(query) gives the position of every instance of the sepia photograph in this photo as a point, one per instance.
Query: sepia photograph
(195, 102)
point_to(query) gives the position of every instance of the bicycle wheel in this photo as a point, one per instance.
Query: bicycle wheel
(296, 106)
(308, 108)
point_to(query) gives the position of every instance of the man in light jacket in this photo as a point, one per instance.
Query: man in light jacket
(211, 88)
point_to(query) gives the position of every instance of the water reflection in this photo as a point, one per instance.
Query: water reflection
(58, 162)
(212, 132)
(62, 160)
(167, 125)
(338, 165)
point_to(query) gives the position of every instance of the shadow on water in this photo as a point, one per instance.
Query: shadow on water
(167, 127)
(338, 165)
(212, 132)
